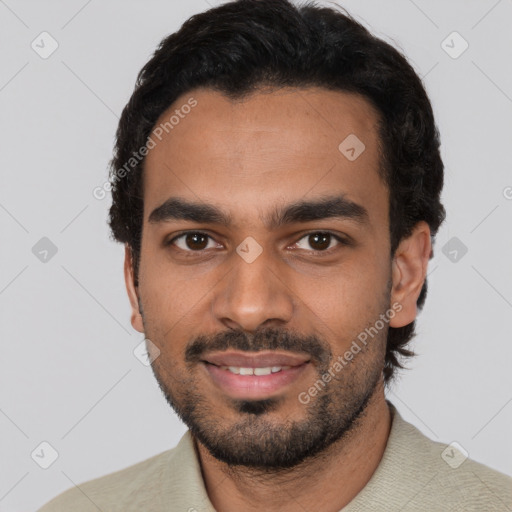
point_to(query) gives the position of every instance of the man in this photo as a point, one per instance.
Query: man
(276, 183)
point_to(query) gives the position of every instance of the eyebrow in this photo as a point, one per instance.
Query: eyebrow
(330, 207)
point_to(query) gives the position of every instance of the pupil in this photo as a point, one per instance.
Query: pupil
(195, 237)
(325, 237)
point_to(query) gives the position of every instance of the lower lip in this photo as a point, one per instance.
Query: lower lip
(253, 386)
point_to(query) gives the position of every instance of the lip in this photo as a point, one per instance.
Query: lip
(256, 359)
(255, 386)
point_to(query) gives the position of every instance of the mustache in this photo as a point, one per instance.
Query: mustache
(263, 339)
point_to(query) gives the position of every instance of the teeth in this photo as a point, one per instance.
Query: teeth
(262, 371)
(254, 371)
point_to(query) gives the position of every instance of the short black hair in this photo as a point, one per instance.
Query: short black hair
(244, 46)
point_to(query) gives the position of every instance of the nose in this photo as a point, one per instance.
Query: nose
(253, 294)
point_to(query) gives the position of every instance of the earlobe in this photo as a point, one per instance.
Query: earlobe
(132, 290)
(409, 269)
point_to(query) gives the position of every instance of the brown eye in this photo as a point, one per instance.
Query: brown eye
(191, 241)
(319, 241)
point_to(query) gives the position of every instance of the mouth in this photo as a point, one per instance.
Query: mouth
(254, 376)
(247, 370)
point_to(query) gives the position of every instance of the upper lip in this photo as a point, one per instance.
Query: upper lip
(256, 360)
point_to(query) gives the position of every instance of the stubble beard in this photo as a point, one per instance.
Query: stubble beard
(254, 439)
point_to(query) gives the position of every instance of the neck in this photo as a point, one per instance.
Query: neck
(328, 482)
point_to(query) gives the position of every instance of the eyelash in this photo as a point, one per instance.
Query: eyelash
(342, 241)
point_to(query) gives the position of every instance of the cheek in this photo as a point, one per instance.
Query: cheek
(344, 302)
(173, 304)
(170, 307)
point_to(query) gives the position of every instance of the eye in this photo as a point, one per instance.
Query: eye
(320, 241)
(197, 241)
(193, 241)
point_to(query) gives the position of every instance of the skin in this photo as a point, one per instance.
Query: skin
(247, 157)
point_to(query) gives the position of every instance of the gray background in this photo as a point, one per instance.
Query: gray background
(67, 369)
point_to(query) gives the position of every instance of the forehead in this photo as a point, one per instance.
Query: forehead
(269, 147)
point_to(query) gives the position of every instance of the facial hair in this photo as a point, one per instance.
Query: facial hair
(254, 440)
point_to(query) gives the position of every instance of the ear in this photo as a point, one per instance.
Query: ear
(132, 289)
(409, 270)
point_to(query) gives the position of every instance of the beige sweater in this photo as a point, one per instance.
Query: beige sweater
(415, 474)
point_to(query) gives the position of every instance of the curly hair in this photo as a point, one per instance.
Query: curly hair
(245, 45)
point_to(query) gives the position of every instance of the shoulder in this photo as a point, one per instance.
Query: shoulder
(117, 491)
(448, 478)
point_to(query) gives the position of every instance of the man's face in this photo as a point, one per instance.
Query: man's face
(289, 292)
